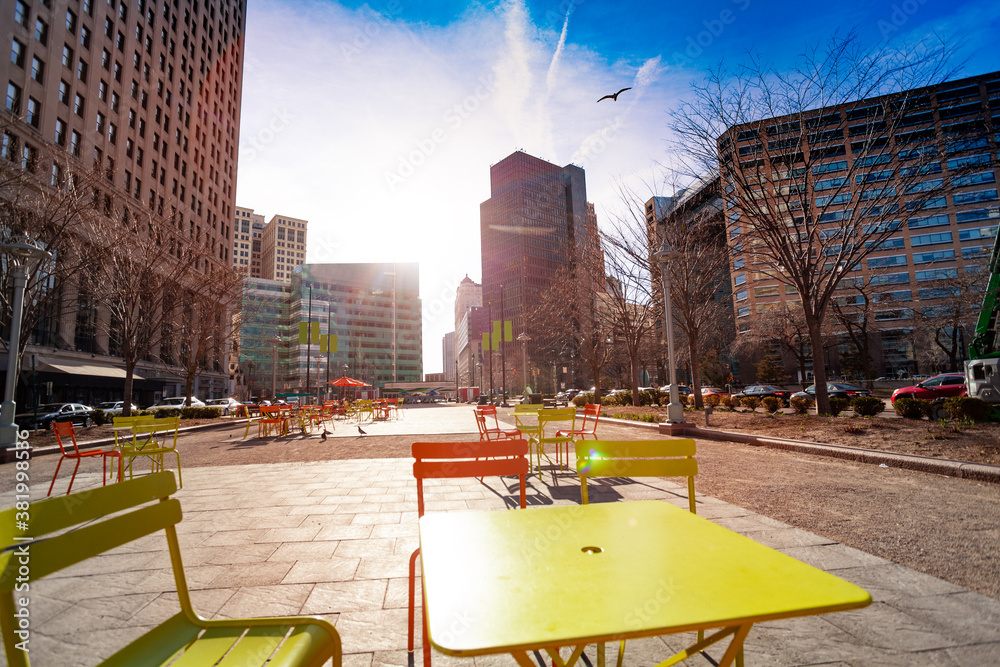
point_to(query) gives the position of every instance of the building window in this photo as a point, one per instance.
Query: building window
(37, 69)
(74, 143)
(936, 256)
(929, 221)
(935, 274)
(60, 132)
(979, 178)
(977, 234)
(41, 31)
(64, 92)
(85, 34)
(34, 112)
(17, 51)
(9, 147)
(972, 197)
(78, 104)
(21, 13)
(890, 279)
(13, 98)
(81, 70)
(930, 239)
(891, 260)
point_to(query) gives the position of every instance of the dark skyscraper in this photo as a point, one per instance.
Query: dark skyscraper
(536, 221)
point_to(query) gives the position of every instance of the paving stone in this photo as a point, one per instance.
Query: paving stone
(966, 617)
(832, 557)
(251, 574)
(382, 630)
(887, 582)
(293, 551)
(346, 596)
(281, 600)
(345, 532)
(332, 569)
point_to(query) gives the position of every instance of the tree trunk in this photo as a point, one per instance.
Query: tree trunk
(127, 393)
(695, 373)
(819, 368)
(188, 387)
(633, 365)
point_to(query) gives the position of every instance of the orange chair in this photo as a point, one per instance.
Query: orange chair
(441, 460)
(486, 413)
(591, 413)
(270, 415)
(63, 429)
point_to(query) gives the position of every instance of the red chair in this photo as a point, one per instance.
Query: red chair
(591, 413)
(63, 429)
(441, 460)
(487, 413)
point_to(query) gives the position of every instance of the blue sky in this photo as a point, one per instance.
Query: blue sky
(378, 121)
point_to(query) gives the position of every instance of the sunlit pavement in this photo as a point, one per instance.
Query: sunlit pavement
(333, 539)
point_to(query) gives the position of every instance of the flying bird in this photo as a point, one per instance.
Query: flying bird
(615, 96)
(361, 431)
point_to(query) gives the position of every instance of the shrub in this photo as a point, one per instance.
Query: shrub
(911, 408)
(162, 413)
(99, 417)
(867, 406)
(963, 407)
(801, 404)
(729, 402)
(838, 405)
(771, 403)
(581, 400)
(712, 400)
(751, 402)
(650, 397)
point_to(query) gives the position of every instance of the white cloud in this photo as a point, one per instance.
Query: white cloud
(381, 132)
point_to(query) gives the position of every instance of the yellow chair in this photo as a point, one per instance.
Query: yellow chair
(151, 440)
(65, 531)
(638, 458)
(561, 416)
(123, 424)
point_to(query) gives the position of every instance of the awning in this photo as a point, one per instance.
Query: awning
(79, 367)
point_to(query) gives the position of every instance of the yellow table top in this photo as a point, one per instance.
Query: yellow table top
(560, 576)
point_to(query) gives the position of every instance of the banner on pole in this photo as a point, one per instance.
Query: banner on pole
(508, 331)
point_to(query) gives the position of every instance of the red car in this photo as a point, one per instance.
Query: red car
(945, 385)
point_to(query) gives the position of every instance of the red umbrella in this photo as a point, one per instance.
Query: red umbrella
(348, 382)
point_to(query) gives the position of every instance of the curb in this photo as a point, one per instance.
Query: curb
(980, 472)
(7, 455)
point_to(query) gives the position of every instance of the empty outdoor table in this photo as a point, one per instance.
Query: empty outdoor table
(625, 570)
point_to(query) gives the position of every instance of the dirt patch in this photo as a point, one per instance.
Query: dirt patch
(977, 443)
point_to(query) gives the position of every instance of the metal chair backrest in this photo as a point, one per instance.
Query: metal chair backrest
(591, 411)
(62, 430)
(637, 458)
(557, 415)
(444, 460)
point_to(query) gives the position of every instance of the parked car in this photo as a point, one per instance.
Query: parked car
(228, 405)
(834, 390)
(177, 402)
(763, 391)
(682, 390)
(55, 412)
(114, 408)
(945, 385)
(714, 391)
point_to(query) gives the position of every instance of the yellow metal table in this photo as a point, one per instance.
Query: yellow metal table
(568, 576)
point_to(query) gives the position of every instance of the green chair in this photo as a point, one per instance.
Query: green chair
(565, 420)
(153, 439)
(638, 458)
(65, 531)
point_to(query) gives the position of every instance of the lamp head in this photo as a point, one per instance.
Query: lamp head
(666, 253)
(23, 250)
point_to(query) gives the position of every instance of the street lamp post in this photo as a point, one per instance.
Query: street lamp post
(21, 254)
(667, 253)
(524, 338)
(274, 366)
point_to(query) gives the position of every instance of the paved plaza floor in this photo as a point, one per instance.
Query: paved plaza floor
(333, 538)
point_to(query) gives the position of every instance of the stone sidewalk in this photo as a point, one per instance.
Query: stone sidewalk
(334, 538)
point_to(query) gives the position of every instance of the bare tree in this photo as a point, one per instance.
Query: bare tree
(699, 274)
(800, 210)
(942, 325)
(43, 196)
(570, 319)
(631, 310)
(145, 268)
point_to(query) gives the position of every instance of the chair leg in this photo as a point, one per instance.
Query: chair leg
(426, 634)
(412, 599)
(55, 475)
(180, 480)
(73, 478)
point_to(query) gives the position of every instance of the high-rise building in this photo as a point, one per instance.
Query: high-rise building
(468, 296)
(536, 222)
(448, 355)
(943, 224)
(247, 228)
(149, 94)
(282, 247)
